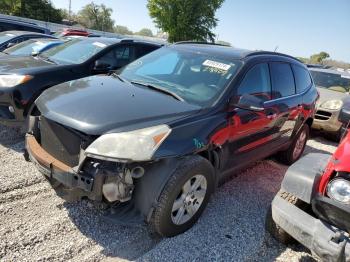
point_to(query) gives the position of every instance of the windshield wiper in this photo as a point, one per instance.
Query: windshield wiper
(156, 88)
(46, 58)
(115, 74)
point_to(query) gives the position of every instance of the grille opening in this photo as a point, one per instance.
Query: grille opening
(60, 142)
(323, 115)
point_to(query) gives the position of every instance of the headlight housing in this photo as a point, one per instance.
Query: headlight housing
(339, 190)
(332, 104)
(137, 145)
(13, 80)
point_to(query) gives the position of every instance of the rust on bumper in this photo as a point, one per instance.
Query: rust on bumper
(44, 158)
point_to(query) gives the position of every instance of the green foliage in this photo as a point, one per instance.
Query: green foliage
(123, 30)
(145, 32)
(318, 58)
(35, 9)
(98, 17)
(185, 19)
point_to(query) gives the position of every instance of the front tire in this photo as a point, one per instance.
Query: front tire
(184, 197)
(296, 149)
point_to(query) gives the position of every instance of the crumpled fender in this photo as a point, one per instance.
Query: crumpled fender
(303, 177)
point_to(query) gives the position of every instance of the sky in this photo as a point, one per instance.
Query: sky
(296, 27)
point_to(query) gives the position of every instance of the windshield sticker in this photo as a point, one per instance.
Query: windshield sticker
(102, 45)
(347, 77)
(217, 65)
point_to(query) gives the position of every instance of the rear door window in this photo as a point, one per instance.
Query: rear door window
(282, 80)
(302, 78)
(257, 82)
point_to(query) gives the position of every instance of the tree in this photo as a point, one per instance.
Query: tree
(123, 30)
(318, 58)
(35, 9)
(185, 19)
(98, 17)
(145, 32)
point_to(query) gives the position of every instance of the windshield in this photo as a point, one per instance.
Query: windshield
(27, 47)
(197, 78)
(75, 51)
(5, 37)
(331, 81)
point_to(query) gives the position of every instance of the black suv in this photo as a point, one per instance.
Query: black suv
(22, 79)
(153, 142)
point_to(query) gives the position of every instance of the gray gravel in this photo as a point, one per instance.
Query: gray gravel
(35, 224)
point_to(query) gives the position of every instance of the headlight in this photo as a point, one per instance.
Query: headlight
(138, 145)
(332, 104)
(13, 80)
(339, 189)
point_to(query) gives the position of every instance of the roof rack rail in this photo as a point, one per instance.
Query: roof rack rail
(197, 42)
(127, 40)
(271, 53)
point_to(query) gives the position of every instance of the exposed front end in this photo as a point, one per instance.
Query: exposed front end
(58, 153)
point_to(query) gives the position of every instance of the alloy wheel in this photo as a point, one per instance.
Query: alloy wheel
(189, 199)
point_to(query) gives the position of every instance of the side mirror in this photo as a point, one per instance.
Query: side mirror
(101, 66)
(10, 45)
(248, 102)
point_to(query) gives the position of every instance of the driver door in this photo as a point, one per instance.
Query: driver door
(252, 132)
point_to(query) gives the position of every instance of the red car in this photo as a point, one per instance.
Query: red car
(313, 205)
(72, 32)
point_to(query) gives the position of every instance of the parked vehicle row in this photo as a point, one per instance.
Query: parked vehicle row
(11, 38)
(23, 79)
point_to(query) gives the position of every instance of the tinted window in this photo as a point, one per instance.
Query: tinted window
(302, 78)
(282, 80)
(144, 49)
(257, 82)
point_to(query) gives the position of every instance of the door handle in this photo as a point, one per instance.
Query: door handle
(271, 116)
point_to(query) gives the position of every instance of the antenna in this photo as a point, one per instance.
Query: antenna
(276, 48)
(70, 10)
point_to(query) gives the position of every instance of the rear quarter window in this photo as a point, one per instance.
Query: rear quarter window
(282, 80)
(302, 78)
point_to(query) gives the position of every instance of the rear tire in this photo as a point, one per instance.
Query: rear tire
(296, 149)
(184, 197)
(275, 230)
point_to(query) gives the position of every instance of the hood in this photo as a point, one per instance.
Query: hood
(326, 95)
(18, 63)
(3, 55)
(99, 104)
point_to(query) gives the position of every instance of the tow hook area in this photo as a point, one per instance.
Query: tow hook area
(340, 239)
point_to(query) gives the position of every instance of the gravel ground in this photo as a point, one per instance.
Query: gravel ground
(35, 224)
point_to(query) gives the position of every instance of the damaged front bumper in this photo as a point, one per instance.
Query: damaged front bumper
(76, 185)
(325, 241)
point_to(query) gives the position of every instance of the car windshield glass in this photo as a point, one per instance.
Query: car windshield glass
(5, 37)
(27, 47)
(195, 77)
(75, 51)
(331, 81)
